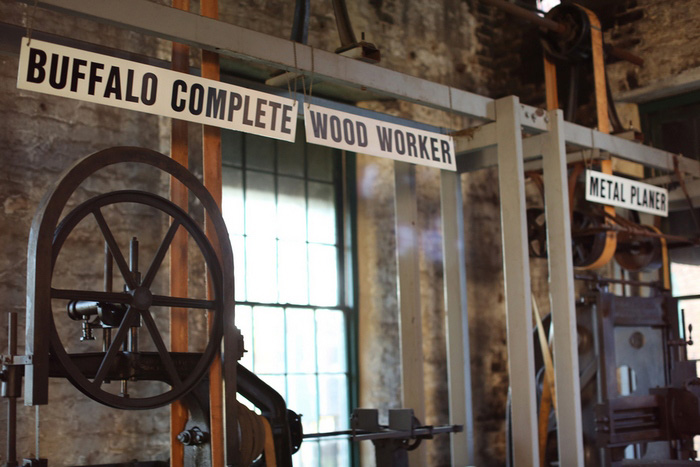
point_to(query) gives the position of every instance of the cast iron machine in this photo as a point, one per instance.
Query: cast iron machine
(128, 314)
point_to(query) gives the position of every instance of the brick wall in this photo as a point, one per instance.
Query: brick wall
(448, 41)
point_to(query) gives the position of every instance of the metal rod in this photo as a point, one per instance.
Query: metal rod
(603, 280)
(11, 432)
(134, 259)
(12, 399)
(37, 426)
(108, 270)
(528, 16)
(106, 338)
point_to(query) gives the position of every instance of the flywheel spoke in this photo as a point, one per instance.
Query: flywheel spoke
(114, 347)
(114, 249)
(178, 302)
(162, 350)
(160, 254)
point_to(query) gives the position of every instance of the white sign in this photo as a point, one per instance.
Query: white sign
(626, 193)
(343, 130)
(87, 76)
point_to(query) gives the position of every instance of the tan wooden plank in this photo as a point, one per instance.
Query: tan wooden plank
(178, 253)
(550, 84)
(211, 153)
(601, 94)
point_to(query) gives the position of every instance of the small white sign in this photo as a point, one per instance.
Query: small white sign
(77, 74)
(623, 192)
(342, 130)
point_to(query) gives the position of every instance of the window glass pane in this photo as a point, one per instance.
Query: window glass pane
(301, 351)
(320, 161)
(231, 147)
(261, 270)
(292, 272)
(685, 279)
(335, 453)
(268, 340)
(261, 212)
(244, 322)
(232, 191)
(323, 275)
(291, 209)
(331, 341)
(238, 247)
(277, 382)
(322, 216)
(308, 454)
(290, 156)
(259, 153)
(333, 402)
(302, 399)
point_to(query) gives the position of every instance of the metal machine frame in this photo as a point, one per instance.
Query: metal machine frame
(498, 142)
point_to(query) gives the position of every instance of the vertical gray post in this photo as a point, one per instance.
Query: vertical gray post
(457, 324)
(410, 324)
(561, 293)
(516, 268)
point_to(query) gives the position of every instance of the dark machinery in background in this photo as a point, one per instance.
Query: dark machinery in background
(639, 392)
(107, 340)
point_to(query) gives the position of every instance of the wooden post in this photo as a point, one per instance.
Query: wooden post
(550, 84)
(601, 93)
(178, 252)
(211, 153)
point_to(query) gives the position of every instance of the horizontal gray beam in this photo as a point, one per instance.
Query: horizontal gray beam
(234, 41)
(237, 42)
(625, 149)
(475, 150)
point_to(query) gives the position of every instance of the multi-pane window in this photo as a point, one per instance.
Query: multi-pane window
(282, 203)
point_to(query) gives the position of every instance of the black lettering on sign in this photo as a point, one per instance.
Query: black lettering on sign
(593, 186)
(235, 103)
(114, 85)
(411, 144)
(633, 194)
(55, 81)
(286, 118)
(94, 77)
(361, 135)
(422, 144)
(663, 202)
(349, 130)
(434, 149)
(319, 124)
(446, 156)
(400, 142)
(129, 95)
(260, 113)
(384, 135)
(616, 192)
(196, 99)
(35, 70)
(335, 129)
(216, 102)
(76, 74)
(275, 107)
(178, 105)
(246, 107)
(149, 88)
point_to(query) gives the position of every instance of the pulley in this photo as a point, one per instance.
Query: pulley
(574, 43)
